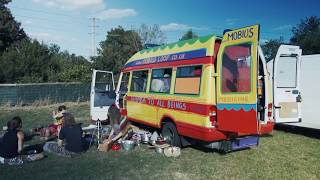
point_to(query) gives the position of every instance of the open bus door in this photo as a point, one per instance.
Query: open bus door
(237, 81)
(102, 94)
(286, 84)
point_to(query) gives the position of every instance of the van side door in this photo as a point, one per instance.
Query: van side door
(102, 94)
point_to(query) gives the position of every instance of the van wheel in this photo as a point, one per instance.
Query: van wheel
(169, 132)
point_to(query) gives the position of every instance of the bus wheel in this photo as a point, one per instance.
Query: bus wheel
(169, 132)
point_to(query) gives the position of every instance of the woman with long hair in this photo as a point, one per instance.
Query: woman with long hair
(11, 147)
(70, 141)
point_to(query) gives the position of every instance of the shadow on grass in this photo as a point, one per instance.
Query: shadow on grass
(204, 149)
(308, 132)
(267, 136)
(220, 152)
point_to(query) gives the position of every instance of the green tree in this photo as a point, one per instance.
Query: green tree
(28, 61)
(118, 47)
(189, 35)
(10, 30)
(73, 68)
(270, 48)
(307, 35)
(25, 61)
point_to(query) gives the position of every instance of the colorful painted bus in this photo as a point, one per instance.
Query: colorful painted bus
(210, 90)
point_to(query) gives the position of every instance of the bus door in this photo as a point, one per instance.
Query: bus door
(237, 81)
(286, 85)
(102, 94)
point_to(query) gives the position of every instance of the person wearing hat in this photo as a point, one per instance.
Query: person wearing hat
(70, 141)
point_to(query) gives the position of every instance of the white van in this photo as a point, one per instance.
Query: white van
(295, 87)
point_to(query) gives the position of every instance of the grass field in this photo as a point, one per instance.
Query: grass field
(279, 156)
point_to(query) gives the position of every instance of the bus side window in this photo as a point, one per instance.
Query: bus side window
(188, 80)
(161, 80)
(139, 81)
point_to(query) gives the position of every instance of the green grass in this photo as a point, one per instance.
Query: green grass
(279, 156)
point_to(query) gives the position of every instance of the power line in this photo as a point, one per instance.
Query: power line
(45, 27)
(46, 19)
(49, 28)
(40, 11)
(93, 35)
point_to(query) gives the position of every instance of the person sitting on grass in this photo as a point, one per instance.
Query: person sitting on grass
(120, 128)
(11, 147)
(70, 141)
(52, 129)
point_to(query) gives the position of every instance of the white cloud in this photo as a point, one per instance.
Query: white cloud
(179, 27)
(96, 5)
(231, 21)
(283, 27)
(174, 27)
(116, 13)
(71, 4)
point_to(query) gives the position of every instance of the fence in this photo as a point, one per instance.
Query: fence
(52, 92)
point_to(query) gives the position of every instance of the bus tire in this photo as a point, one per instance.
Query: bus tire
(169, 132)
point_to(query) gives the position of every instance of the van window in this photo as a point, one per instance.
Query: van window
(188, 80)
(124, 82)
(286, 72)
(139, 81)
(161, 80)
(236, 67)
(103, 89)
(103, 81)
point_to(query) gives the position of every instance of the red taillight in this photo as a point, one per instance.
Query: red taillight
(269, 109)
(213, 109)
(213, 120)
(213, 115)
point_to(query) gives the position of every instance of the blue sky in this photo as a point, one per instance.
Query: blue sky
(67, 22)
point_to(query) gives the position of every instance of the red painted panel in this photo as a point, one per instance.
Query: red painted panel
(266, 128)
(199, 132)
(192, 131)
(240, 121)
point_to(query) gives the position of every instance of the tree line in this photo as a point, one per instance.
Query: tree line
(26, 60)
